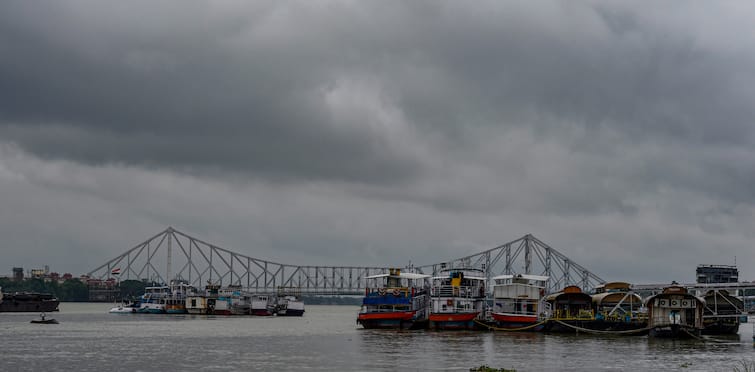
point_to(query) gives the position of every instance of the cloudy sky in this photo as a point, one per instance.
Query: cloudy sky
(374, 133)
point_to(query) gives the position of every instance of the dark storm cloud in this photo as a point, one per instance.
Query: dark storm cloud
(181, 97)
(196, 86)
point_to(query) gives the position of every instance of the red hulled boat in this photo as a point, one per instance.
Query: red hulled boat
(458, 298)
(397, 303)
(516, 301)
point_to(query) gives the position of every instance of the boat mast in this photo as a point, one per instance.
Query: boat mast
(170, 252)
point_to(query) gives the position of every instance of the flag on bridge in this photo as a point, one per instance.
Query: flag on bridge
(115, 271)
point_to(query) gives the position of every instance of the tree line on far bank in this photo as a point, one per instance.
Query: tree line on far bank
(74, 290)
(71, 290)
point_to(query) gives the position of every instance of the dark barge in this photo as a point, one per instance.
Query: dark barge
(28, 302)
(721, 314)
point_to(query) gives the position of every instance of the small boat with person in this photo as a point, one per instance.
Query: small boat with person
(43, 320)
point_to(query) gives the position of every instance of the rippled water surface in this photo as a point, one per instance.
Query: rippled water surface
(327, 338)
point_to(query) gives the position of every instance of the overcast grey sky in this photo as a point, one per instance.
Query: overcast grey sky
(374, 132)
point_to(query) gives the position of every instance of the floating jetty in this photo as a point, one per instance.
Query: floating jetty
(181, 298)
(458, 300)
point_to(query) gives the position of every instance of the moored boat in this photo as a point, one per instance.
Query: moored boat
(219, 306)
(241, 304)
(290, 306)
(263, 305)
(28, 302)
(675, 313)
(153, 300)
(125, 308)
(571, 309)
(618, 308)
(722, 314)
(175, 303)
(196, 304)
(517, 300)
(398, 302)
(457, 298)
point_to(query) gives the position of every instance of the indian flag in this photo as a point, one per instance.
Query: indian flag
(115, 271)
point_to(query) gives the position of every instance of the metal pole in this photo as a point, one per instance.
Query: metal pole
(170, 253)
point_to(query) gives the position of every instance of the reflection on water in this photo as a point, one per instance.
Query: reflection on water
(327, 338)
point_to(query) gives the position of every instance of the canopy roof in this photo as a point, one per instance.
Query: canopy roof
(614, 297)
(465, 277)
(523, 276)
(411, 276)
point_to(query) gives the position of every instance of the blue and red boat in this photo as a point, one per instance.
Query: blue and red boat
(400, 301)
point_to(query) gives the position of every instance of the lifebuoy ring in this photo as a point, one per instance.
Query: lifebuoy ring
(381, 291)
(396, 292)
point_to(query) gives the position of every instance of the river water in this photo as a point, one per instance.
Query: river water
(327, 338)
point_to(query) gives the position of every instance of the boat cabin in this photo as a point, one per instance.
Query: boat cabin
(469, 283)
(518, 294)
(396, 282)
(674, 311)
(395, 291)
(570, 303)
(457, 291)
(616, 301)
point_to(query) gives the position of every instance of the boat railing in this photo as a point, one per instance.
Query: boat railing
(460, 291)
(393, 291)
(624, 315)
(388, 309)
(582, 314)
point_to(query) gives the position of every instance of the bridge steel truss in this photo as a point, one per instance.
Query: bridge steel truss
(186, 258)
(172, 255)
(526, 255)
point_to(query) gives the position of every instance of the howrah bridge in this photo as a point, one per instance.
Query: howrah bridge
(175, 255)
